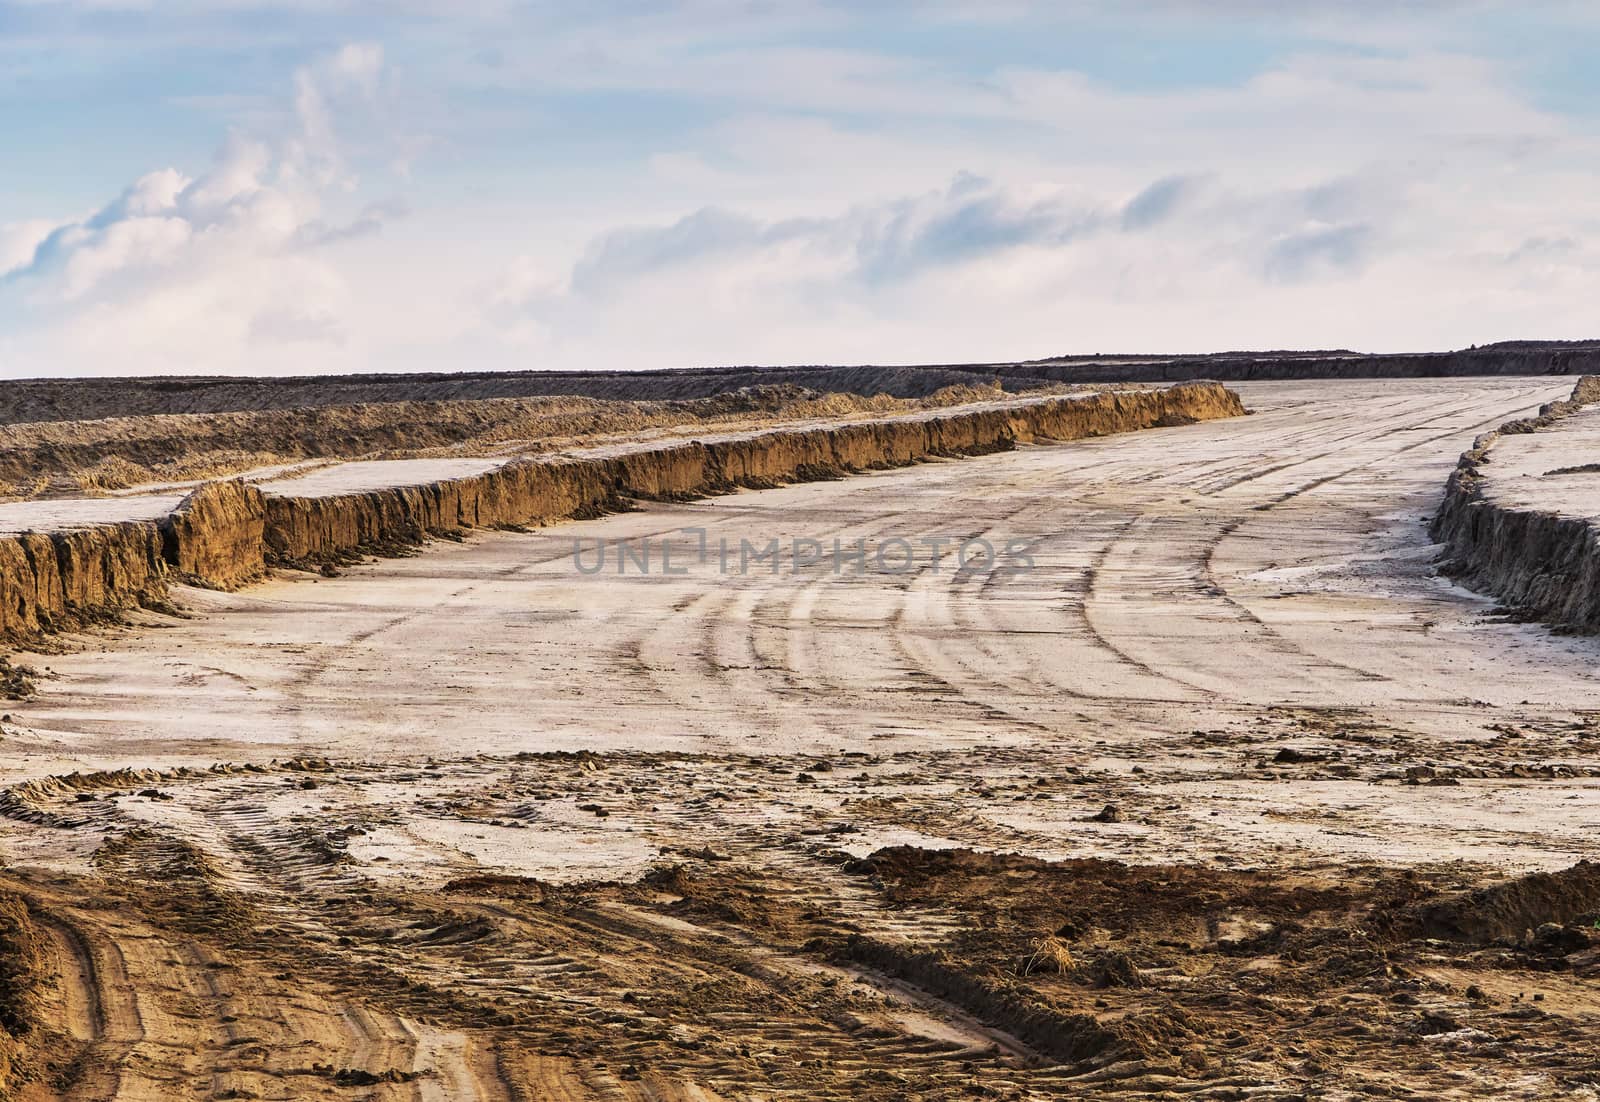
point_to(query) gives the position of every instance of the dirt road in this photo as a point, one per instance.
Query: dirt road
(519, 830)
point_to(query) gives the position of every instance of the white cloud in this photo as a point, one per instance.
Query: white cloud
(201, 274)
(130, 242)
(274, 327)
(664, 184)
(360, 64)
(523, 284)
(349, 82)
(974, 257)
(19, 241)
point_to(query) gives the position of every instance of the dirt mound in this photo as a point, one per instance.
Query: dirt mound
(1071, 897)
(40, 400)
(1512, 910)
(23, 973)
(17, 682)
(94, 456)
(1070, 1037)
(498, 886)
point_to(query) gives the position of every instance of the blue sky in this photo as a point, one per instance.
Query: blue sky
(298, 186)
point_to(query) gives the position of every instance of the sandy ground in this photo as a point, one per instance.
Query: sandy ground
(61, 514)
(375, 474)
(494, 827)
(1552, 471)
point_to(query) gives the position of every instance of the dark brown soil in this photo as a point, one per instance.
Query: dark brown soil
(766, 965)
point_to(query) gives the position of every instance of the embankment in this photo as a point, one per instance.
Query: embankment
(1545, 565)
(217, 536)
(45, 400)
(117, 452)
(225, 534)
(541, 491)
(1508, 358)
(32, 401)
(51, 581)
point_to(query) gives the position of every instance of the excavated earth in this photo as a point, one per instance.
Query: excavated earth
(68, 455)
(1521, 515)
(70, 561)
(1216, 789)
(44, 400)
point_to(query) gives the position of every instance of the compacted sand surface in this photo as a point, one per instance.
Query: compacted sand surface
(1211, 789)
(1555, 470)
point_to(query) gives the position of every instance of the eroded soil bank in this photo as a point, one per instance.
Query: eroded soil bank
(1520, 513)
(129, 450)
(225, 534)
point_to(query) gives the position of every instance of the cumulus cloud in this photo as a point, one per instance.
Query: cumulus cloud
(186, 273)
(975, 269)
(629, 185)
(881, 243)
(371, 220)
(20, 241)
(973, 219)
(969, 221)
(256, 199)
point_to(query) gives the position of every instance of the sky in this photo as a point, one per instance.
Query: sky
(314, 186)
